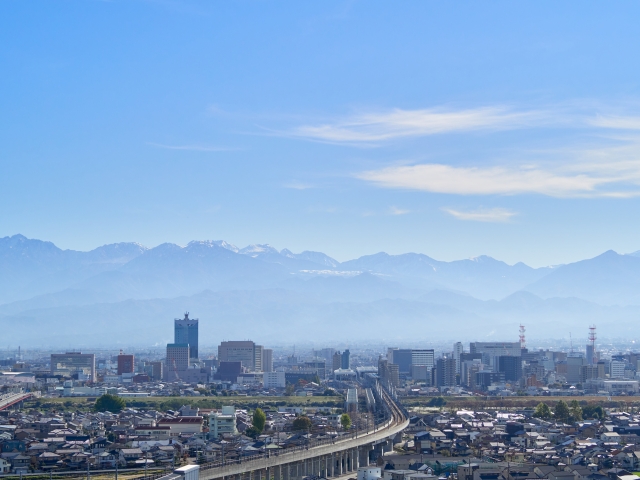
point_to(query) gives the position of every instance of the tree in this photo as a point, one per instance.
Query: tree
(542, 411)
(289, 389)
(109, 403)
(302, 423)
(593, 411)
(561, 411)
(345, 421)
(259, 419)
(576, 411)
(437, 402)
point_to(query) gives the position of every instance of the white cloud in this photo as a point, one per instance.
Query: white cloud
(618, 122)
(489, 180)
(398, 211)
(370, 128)
(482, 215)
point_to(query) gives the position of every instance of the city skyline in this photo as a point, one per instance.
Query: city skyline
(319, 241)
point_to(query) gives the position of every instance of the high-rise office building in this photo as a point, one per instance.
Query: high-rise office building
(445, 372)
(267, 360)
(511, 367)
(258, 359)
(497, 348)
(177, 360)
(592, 355)
(400, 357)
(247, 352)
(74, 363)
(574, 367)
(458, 349)
(407, 358)
(186, 332)
(336, 361)
(346, 360)
(155, 370)
(423, 357)
(617, 369)
(590, 372)
(492, 350)
(125, 363)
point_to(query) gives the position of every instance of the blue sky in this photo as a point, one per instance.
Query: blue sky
(510, 129)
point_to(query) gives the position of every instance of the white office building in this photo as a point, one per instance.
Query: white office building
(274, 380)
(223, 422)
(617, 369)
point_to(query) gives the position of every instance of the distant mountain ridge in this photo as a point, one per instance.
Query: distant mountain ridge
(129, 270)
(33, 267)
(40, 282)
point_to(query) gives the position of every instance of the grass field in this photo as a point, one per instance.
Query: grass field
(172, 403)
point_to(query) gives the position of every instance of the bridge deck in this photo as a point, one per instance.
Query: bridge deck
(11, 399)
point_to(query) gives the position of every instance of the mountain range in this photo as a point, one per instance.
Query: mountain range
(126, 293)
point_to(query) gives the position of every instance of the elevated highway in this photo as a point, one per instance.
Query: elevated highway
(10, 399)
(324, 459)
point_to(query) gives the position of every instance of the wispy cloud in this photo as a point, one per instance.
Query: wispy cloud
(440, 178)
(298, 185)
(370, 128)
(398, 211)
(482, 214)
(618, 122)
(597, 172)
(195, 148)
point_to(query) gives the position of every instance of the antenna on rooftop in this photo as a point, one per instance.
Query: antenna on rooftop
(570, 342)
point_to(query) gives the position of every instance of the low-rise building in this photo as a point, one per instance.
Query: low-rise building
(182, 425)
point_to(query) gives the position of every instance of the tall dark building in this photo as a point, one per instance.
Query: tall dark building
(511, 367)
(346, 360)
(186, 333)
(486, 379)
(125, 363)
(445, 372)
(402, 358)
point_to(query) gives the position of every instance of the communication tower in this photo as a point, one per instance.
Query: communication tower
(523, 343)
